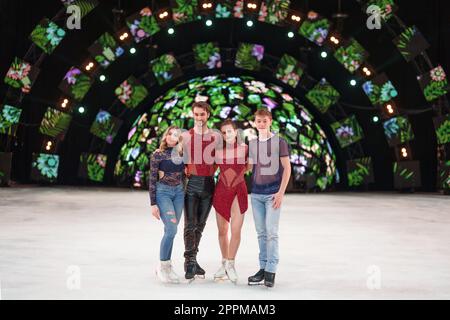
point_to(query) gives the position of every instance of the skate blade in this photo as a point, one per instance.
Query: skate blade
(221, 279)
(256, 283)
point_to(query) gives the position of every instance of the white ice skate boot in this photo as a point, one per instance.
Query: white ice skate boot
(231, 271)
(221, 274)
(166, 274)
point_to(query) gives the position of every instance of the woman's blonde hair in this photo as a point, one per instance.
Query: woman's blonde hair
(163, 145)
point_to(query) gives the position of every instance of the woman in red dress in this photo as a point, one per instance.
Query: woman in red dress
(230, 197)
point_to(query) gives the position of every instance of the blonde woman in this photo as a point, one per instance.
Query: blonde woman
(167, 195)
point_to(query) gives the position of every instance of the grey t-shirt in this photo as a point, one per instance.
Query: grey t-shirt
(267, 169)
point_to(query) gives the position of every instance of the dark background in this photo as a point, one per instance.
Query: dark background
(19, 17)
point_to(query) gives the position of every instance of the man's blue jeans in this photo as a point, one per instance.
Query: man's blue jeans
(266, 222)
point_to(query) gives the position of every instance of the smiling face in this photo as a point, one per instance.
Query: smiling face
(173, 137)
(200, 117)
(263, 124)
(229, 133)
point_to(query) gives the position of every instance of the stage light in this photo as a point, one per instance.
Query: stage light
(124, 36)
(353, 82)
(252, 6)
(64, 103)
(207, 5)
(89, 66)
(170, 31)
(390, 108)
(249, 23)
(324, 54)
(49, 145)
(290, 34)
(163, 15)
(81, 110)
(208, 23)
(295, 18)
(375, 119)
(367, 72)
(334, 40)
(133, 50)
(102, 78)
(404, 152)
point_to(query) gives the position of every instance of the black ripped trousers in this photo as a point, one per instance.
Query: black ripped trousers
(197, 205)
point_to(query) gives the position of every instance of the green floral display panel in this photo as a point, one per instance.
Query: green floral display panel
(44, 167)
(315, 28)
(360, 172)
(444, 175)
(131, 93)
(21, 75)
(249, 56)
(386, 8)
(411, 43)
(106, 50)
(165, 68)
(224, 8)
(105, 126)
(75, 84)
(55, 123)
(142, 25)
(289, 70)
(274, 11)
(380, 90)
(347, 131)
(92, 166)
(434, 83)
(442, 126)
(184, 10)
(398, 130)
(207, 55)
(47, 35)
(406, 174)
(229, 98)
(5, 167)
(351, 56)
(323, 96)
(9, 119)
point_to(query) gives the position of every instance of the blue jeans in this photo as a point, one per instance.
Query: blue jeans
(170, 202)
(266, 222)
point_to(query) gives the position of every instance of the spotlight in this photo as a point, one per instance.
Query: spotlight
(133, 50)
(324, 54)
(102, 78)
(163, 15)
(64, 103)
(170, 31)
(367, 71)
(390, 108)
(353, 82)
(375, 119)
(89, 66)
(81, 110)
(207, 5)
(49, 145)
(290, 34)
(334, 40)
(208, 23)
(249, 23)
(124, 36)
(295, 18)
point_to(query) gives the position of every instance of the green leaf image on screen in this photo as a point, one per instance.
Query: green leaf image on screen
(380, 90)
(224, 9)
(165, 68)
(93, 166)
(442, 126)
(387, 7)
(105, 126)
(406, 174)
(131, 93)
(347, 131)
(398, 130)
(249, 56)
(274, 11)
(174, 107)
(207, 55)
(105, 50)
(289, 71)
(142, 25)
(9, 118)
(44, 167)
(21, 75)
(323, 96)
(47, 35)
(75, 84)
(444, 175)
(434, 83)
(55, 123)
(85, 6)
(360, 172)
(184, 10)
(411, 43)
(351, 56)
(315, 29)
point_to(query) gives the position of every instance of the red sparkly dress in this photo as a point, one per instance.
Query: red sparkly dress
(232, 163)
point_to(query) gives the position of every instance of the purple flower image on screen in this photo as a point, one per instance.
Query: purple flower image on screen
(258, 52)
(71, 75)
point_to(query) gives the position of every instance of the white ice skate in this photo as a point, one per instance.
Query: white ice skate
(231, 271)
(221, 274)
(166, 274)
